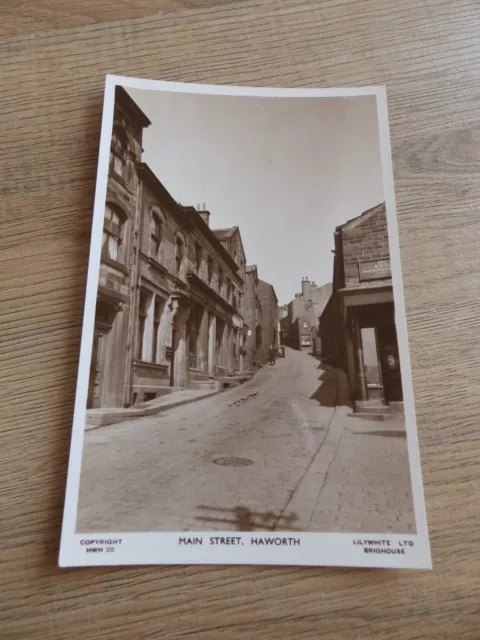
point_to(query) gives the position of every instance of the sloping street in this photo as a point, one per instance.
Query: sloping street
(260, 456)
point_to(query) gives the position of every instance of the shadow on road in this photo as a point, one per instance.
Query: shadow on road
(243, 519)
(326, 394)
(334, 389)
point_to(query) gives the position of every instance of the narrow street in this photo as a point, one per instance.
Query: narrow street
(249, 458)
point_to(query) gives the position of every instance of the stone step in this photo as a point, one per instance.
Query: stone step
(203, 384)
(378, 409)
(372, 416)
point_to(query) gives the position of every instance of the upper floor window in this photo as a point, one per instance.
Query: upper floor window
(229, 289)
(113, 224)
(118, 152)
(305, 324)
(210, 269)
(179, 251)
(157, 225)
(198, 256)
(220, 280)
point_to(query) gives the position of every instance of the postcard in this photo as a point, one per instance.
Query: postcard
(244, 391)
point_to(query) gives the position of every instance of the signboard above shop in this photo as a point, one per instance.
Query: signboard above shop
(374, 270)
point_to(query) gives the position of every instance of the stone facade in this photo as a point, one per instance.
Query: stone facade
(253, 319)
(112, 340)
(358, 324)
(170, 301)
(362, 240)
(269, 319)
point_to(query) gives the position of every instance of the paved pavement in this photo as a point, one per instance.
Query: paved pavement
(303, 469)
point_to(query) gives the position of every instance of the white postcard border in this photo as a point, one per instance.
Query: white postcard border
(313, 549)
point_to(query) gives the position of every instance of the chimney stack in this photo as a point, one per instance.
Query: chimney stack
(204, 214)
(305, 287)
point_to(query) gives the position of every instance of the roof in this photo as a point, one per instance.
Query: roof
(359, 218)
(223, 234)
(268, 285)
(196, 219)
(130, 106)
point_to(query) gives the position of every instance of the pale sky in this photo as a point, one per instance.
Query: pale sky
(286, 171)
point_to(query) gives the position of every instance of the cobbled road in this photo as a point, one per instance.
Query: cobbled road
(272, 454)
(162, 472)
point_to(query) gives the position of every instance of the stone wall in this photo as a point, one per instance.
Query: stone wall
(363, 239)
(269, 303)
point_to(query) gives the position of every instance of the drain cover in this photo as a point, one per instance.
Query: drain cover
(233, 462)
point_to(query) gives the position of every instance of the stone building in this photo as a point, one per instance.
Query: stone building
(253, 318)
(190, 329)
(269, 319)
(301, 324)
(114, 314)
(358, 324)
(170, 300)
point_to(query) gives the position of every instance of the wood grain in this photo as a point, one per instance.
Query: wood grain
(52, 71)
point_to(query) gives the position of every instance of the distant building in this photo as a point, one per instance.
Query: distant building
(269, 304)
(301, 322)
(358, 324)
(252, 315)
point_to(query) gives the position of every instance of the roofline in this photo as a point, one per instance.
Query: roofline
(129, 104)
(364, 213)
(187, 216)
(147, 175)
(197, 221)
(271, 286)
(236, 229)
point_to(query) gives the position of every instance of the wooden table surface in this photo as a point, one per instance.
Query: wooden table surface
(54, 56)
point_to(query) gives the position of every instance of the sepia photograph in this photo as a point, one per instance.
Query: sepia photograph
(244, 365)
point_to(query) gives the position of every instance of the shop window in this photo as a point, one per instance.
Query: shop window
(157, 317)
(113, 231)
(145, 298)
(157, 225)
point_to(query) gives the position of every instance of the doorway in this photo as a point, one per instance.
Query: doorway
(390, 362)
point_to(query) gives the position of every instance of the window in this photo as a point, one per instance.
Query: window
(229, 289)
(179, 252)
(142, 317)
(112, 248)
(210, 270)
(305, 324)
(220, 280)
(157, 316)
(118, 152)
(156, 234)
(198, 257)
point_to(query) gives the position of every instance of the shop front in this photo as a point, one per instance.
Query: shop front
(372, 348)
